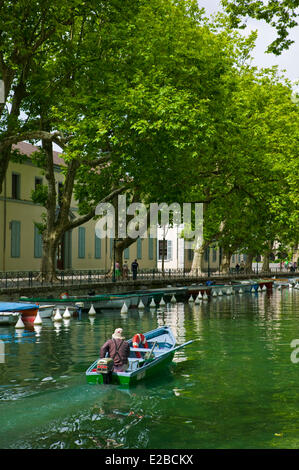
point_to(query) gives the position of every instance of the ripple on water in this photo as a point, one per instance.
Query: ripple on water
(235, 388)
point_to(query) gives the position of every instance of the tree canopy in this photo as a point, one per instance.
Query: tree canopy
(282, 15)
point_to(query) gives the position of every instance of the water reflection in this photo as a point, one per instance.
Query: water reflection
(235, 377)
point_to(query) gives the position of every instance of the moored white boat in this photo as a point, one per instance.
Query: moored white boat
(8, 318)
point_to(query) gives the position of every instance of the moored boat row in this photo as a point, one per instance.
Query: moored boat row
(28, 308)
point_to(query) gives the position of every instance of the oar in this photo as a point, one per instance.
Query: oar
(150, 353)
(182, 345)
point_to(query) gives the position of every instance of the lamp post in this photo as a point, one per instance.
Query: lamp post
(113, 277)
(2, 97)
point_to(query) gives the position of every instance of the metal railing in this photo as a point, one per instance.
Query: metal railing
(19, 279)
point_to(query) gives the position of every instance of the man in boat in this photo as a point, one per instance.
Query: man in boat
(139, 341)
(118, 349)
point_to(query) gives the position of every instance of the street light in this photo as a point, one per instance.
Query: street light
(113, 277)
(114, 244)
(2, 94)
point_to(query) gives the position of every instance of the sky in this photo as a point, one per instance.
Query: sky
(288, 60)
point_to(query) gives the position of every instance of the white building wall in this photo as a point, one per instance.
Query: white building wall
(175, 247)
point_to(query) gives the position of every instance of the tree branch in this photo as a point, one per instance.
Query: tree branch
(85, 218)
(56, 137)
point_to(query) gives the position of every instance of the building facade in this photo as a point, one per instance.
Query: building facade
(21, 242)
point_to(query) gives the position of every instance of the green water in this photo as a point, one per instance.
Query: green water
(234, 387)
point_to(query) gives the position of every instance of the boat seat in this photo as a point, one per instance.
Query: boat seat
(140, 349)
(134, 363)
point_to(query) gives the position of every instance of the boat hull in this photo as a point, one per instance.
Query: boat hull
(28, 311)
(8, 318)
(161, 339)
(133, 379)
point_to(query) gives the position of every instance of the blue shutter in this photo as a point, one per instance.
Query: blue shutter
(139, 248)
(151, 248)
(81, 242)
(111, 247)
(127, 253)
(97, 247)
(15, 238)
(38, 243)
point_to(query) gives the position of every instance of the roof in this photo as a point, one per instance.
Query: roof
(28, 149)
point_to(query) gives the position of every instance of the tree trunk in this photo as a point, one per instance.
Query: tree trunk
(266, 263)
(225, 263)
(248, 263)
(120, 246)
(4, 161)
(197, 262)
(266, 259)
(163, 256)
(48, 264)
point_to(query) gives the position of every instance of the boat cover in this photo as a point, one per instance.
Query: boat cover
(16, 306)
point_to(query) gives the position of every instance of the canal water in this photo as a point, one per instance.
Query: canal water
(235, 386)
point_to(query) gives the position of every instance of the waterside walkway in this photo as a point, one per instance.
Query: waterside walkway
(16, 284)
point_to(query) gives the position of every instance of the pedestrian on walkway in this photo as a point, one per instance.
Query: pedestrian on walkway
(125, 270)
(134, 268)
(117, 270)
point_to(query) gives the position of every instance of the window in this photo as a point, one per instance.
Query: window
(190, 254)
(81, 242)
(207, 254)
(220, 254)
(214, 254)
(162, 248)
(38, 243)
(38, 181)
(15, 186)
(97, 247)
(15, 226)
(127, 253)
(139, 248)
(166, 246)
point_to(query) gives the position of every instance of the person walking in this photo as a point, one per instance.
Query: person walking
(117, 270)
(125, 270)
(134, 268)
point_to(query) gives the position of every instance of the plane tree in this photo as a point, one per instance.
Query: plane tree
(259, 144)
(30, 33)
(282, 15)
